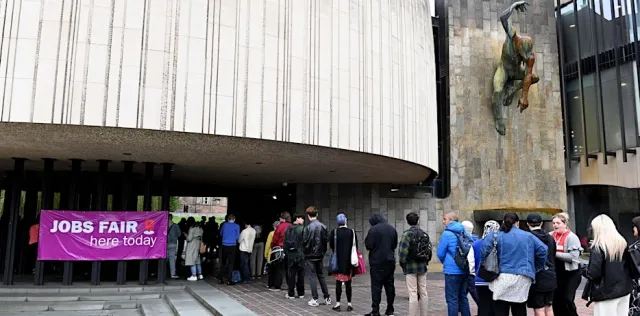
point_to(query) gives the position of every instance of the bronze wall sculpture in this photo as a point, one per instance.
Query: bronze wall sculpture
(511, 76)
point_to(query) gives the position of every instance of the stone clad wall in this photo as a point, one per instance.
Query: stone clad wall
(523, 170)
(359, 201)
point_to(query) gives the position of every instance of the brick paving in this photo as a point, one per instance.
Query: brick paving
(256, 297)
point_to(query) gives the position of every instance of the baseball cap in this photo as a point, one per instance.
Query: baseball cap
(534, 218)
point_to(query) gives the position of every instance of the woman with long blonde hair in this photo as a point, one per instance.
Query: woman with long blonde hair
(609, 272)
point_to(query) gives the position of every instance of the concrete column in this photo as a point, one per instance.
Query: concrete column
(126, 203)
(76, 165)
(101, 205)
(143, 276)
(12, 212)
(166, 199)
(46, 204)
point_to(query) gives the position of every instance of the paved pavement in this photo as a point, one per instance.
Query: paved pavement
(257, 298)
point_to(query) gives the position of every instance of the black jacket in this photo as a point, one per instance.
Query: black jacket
(634, 253)
(381, 241)
(607, 279)
(341, 242)
(294, 232)
(315, 239)
(546, 279)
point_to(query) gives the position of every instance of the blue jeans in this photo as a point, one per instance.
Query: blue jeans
(455, 291)
(171, 257)
(244, 265)
(196, 268)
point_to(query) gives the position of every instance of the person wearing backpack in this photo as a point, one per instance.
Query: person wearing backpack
(415, 253)
(295, 258)
(454, 247)
(520, 255)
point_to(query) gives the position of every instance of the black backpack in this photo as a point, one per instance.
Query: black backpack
(462, 251)
(290, 239)
(420, 249)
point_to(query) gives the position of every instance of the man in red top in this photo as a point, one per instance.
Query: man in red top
(278, 240)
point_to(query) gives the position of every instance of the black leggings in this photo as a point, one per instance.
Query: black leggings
(564, 295)
(339, 290)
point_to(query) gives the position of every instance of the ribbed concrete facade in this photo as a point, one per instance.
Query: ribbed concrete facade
(357, 75)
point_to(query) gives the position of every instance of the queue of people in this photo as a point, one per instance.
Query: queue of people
(506, 271)
(540, 270)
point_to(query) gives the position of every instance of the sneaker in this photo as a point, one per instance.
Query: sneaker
(327, 301)
(336, 308)
(289, 297)
(388, 313)
(273, 289)
(200, 277)
(313, 303)
(175, 277)
(349, 308)
(192, 278)
(300, 297)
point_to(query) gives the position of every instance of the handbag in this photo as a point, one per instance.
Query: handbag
(354, 251)
(203, 247)
(360, 269)
(490, 266)
(333, 259)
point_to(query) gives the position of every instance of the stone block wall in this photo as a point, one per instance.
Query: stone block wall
(523, 170)
(359, 201)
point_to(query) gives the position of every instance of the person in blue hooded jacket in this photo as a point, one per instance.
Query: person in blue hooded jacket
(455, 280)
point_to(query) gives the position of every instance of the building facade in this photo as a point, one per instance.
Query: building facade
(599, 45)
(242, 99)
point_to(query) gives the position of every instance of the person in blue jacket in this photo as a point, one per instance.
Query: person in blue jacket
(485, 297)
(520, 256)
(455, 280)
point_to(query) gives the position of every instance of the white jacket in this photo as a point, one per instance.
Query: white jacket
(247, 237)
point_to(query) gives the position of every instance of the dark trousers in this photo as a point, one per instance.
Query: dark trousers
(244, 266)
(227, 261)
(382, 276)
(271, 281)
(565, 294)
(347, 286)
(180, 250)
(280, 270)
(485, 301)
(471, 287)
(455, 292)
(295, 277)
(33, 255)
(315, 274)
(502, 308)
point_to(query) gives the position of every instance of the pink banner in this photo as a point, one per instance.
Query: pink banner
(88, 236)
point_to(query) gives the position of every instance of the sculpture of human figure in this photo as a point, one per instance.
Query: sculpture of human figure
(511, 76)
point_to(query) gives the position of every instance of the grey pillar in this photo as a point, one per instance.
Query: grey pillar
(101, 205)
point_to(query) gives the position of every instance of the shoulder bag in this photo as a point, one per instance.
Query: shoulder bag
(490, 266)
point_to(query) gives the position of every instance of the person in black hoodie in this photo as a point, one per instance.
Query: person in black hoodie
(541, 292)
(609, 272)
(381, 241)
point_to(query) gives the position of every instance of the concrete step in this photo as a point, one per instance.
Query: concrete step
(183, 303)
(82, 297)
(44, 306)
(125, 312)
